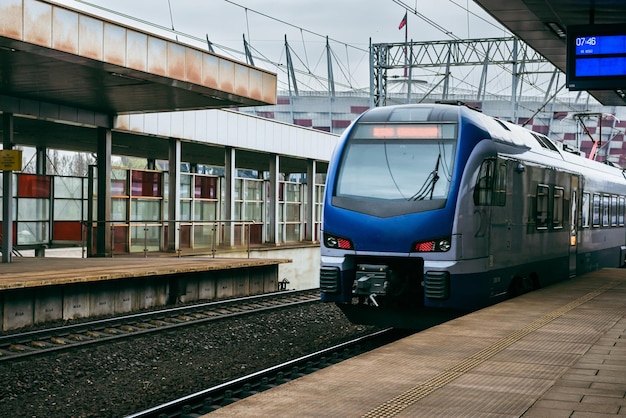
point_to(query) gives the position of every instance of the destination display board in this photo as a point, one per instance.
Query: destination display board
(596, 57)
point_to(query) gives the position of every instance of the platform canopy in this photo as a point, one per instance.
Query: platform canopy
(542, 24)
(63, 57)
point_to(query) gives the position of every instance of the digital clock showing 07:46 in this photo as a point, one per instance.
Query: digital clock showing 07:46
(586, 41)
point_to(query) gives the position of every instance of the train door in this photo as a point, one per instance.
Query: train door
(573, 229)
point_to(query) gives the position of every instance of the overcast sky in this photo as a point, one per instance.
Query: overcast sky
(349, 24)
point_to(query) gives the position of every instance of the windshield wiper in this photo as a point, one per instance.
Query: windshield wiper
(429, 184)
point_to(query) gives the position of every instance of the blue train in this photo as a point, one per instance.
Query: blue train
(440, 207)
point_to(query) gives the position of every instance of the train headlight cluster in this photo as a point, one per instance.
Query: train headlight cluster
(332, 241)
(440, 245)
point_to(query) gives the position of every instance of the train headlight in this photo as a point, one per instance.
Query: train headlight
(333, 241)
(440, 245)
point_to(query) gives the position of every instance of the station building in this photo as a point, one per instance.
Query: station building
(233, 182)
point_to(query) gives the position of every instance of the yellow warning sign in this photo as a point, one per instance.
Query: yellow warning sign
(11, 159)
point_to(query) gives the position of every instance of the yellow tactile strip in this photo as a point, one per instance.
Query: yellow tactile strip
(411, 396)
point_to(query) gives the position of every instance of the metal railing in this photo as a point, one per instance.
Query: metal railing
(227, 236)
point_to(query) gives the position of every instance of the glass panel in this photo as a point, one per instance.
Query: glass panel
(238, 186)
(185, 186)
(254, 212)
(146, 183)
(585, 210)
(292, 232)
(613, 210)
(205, 211)
(203, 236)
(237, 215)
(118, 182)
(118, 210)
(605, 210)
(32, 233)
(542, 207)
(596, 210)
(621, 211)
(68, 210)
(33, 210)
(145, 237)
(292, 212)
(205, 187)
(33, 185)
(409, 170)
(292, 192)
(557, 208)
(254, 190)
(145, 210)
(68, 187)
(185, 210)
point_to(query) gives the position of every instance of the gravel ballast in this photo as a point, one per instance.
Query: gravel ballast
(121, 378)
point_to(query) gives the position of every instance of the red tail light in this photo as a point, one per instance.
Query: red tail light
(425, 246)
(440, 245)
(344, 244)
(332, 241)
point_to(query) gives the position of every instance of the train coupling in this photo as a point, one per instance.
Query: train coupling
(371, 280)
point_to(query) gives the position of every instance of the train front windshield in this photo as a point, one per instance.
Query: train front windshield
(400, 163)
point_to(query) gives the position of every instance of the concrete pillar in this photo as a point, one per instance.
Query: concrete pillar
(311, 200)
(272, 222)
(7, 192)
(40, 163)
(103, 229)
(173, 234)
(230, 175)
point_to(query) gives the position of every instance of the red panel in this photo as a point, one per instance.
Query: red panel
(146, 183)
(282, 100)
(542, 129)
(120, 239)
(338, 123)
(268, 115)
(185, 236)
(67, 231)
(33, 185)
(205, 187)
(303, 122)
(14, 232)
(256, 233)
(358, 109)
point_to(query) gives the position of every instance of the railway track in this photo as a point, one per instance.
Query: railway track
(216, 397)
(25, 344)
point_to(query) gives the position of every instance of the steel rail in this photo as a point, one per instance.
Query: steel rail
(37, 342)
(211, 399)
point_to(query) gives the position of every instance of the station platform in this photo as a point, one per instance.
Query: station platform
(37, 290)
(556, 352)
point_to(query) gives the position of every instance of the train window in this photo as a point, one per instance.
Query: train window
(484, 185)
(613, 210)
(490, 189)
(620, 216)
(542, 213)
(595, 221)
(557, 205)
(585, 210)
(499, 191)
(605, 210)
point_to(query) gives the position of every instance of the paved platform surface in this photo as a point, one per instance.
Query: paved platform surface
(556, 352)
(47, 271)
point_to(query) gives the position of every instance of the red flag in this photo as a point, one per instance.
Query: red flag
(403, 22)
